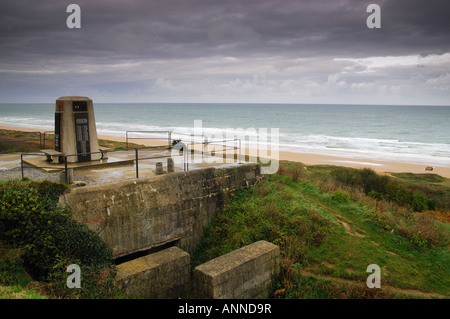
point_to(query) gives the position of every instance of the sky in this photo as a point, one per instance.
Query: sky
(226, 51)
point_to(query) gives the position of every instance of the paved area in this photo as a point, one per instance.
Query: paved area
(120, 165)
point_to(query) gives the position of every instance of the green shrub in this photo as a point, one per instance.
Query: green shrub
(48, 190)
(418, 240)
(382, 187)
(31, 219)
(340, 196)
(12, 272)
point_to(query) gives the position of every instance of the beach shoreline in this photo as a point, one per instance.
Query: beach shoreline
(306, 158)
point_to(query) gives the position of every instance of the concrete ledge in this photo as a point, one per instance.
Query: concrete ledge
(164, 274)
(244, 273)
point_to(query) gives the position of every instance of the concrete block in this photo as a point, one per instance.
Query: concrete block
(164, 274)
(62, 176)
(239, 274)
(159, 168)
(170, 165)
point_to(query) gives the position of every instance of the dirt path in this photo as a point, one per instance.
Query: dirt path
(385, 287)
(344, 222)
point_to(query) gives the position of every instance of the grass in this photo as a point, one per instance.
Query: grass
(15, 282)
(17, 292)
(12, 141)
(17, 141)
(329, 233)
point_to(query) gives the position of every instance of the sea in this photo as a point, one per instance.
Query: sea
(403, 133)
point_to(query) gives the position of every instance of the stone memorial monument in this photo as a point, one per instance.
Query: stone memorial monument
(75, 129)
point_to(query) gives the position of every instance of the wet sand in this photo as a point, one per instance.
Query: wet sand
(308, 158)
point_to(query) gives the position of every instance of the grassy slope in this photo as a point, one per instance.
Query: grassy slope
(328, 235)
(17, 141)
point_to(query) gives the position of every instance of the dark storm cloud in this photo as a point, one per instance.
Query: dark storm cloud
(171, 28)
(120, 39)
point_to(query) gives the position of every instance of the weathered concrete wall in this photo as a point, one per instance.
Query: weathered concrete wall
(244, 273)
(162, 275)
(138, 214)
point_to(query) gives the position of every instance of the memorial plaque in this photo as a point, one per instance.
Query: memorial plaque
(59, 106)
(58, 131)
(79, 106)
(82, 136)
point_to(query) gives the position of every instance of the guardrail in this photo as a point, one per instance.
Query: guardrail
(193, 139)
(136, 160)
(186, 147)
(169, 138)
(226, 147)
(44, 138)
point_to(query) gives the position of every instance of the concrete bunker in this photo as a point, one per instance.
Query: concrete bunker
(163, 216)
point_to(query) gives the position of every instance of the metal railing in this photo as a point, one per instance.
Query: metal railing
(186, 150)
(225, 147)
(44, 138)
(169, 138)
(135, 159)
(185, 138)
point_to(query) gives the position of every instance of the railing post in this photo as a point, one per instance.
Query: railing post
(170, 139)
(184, 156)
(126, 136)
(65, 170)
(21, 165)
(137, 164)
(239, 151)
(187, 157)
(205, 147)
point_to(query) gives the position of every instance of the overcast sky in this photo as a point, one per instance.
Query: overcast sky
(244, 51)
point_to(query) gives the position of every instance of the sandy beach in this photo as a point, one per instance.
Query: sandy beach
(306, 158)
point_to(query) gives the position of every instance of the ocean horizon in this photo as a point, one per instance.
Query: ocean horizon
(401, 133)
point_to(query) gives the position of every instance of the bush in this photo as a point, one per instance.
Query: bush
(382, 187)
(12, 272)
(340, 196)
(31, 219)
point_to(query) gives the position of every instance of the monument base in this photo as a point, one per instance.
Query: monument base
(42, 163)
